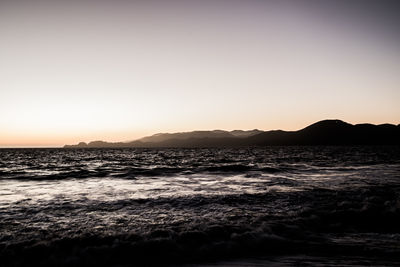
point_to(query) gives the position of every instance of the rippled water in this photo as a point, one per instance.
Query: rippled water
(274, 205)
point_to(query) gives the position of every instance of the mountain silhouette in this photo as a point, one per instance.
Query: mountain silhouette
(160, 137)
(326, 132)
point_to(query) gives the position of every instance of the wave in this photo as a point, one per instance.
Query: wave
(55, 164)
(130, 172)
(170, 206)
(363, 222)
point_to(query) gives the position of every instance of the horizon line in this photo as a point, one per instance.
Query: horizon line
(138, 139)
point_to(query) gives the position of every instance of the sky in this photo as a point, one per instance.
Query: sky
(118, 70)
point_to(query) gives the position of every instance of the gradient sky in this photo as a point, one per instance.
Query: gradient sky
(117, 70)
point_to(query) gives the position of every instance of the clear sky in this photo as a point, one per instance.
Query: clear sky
(118, 70)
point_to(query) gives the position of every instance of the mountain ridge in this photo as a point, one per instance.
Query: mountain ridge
(325, 132)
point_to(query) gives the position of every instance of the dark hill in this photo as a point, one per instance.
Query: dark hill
(326, 132)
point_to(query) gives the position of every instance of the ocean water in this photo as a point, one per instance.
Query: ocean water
(276, 206)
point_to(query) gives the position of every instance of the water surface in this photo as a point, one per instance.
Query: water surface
(274, 205)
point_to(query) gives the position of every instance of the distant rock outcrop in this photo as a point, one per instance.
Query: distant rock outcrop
(326, 132)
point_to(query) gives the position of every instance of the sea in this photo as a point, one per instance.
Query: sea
(253, 206)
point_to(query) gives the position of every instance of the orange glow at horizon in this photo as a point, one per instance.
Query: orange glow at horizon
(59, 139)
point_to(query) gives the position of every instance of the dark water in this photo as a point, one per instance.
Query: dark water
(276, 206)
